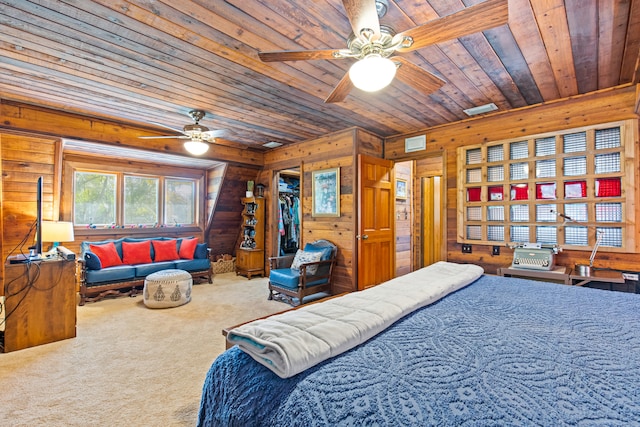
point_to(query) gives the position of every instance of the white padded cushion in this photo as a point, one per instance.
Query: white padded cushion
(167, 288)
(303, 257)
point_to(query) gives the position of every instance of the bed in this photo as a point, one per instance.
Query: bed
(498, 351)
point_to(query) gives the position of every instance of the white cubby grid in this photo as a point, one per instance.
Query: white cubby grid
(518, 191)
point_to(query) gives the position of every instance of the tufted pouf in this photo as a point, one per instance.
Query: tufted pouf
(167, 288)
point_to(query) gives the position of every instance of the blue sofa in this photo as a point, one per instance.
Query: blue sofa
(97, 282)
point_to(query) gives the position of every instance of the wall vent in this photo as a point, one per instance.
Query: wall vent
(415, 143)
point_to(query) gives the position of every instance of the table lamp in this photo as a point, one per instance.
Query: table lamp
(56, 232)
(582, 269)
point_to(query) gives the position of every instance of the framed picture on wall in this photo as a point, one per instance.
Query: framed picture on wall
(326, 193)
(401, 188)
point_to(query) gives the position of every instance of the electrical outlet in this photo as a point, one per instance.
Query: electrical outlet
(495, 250)
(466, 249)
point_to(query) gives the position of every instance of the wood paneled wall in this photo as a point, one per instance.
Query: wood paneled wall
(224, 233)
(24, 160)
(338, 149)
(598, 107)
(43, 121)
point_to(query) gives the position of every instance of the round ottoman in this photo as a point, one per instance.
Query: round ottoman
(167, 288)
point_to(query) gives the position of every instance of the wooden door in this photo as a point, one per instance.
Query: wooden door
(432, 221)
(376, 235)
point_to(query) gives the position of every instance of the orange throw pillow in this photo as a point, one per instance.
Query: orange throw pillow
(188, 248)
(136, 252)
(165, 250)
(107, 254)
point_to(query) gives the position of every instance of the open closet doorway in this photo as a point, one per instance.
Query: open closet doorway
(429, 179)
(289, 212)
(404, 217)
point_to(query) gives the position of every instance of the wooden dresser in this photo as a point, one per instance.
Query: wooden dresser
(39, 303)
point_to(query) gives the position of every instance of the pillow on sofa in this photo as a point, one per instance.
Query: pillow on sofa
(188, 248)
(92, 261)
(165, 250)
(303, 257)
(136, 252)
(107, 254)
(201, 251)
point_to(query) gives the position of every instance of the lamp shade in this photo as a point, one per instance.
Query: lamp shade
(57, 231)
(372, 73)
(196, 148)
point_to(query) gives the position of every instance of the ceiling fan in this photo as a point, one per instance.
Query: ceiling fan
(198, 135)
(373, 45)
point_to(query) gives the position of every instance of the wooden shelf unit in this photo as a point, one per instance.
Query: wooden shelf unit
(250, 253)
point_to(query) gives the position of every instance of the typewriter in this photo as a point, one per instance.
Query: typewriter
(534, 256)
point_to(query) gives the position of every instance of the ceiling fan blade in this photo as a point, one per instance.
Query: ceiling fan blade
(167, 127)
(214, 133)
(341, 90)
(416, 77)
(473, 19)
(298, 55)
(363, 15)
(165, 137)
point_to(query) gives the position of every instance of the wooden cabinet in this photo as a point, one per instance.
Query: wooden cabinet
(40, 303)
(250, 254)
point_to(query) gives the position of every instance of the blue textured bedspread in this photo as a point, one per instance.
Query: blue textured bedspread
(502, 351)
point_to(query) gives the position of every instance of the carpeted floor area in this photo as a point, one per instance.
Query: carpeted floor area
(129, 365)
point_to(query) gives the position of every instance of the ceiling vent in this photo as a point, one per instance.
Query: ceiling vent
(481, 109)
(272, 144)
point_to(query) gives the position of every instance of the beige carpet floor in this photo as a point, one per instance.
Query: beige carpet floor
(129, 365)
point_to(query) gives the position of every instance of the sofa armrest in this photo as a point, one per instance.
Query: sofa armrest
(277, 262)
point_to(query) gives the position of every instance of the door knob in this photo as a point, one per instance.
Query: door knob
(364, 237)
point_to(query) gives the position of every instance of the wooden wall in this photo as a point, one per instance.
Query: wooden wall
(594, 108)
(338, 149)
(24, 159)
(226, 222)
(42, 121)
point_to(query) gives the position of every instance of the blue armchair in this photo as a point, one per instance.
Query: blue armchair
(308, 272)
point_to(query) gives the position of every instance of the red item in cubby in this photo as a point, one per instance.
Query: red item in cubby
(608, 187)
(473, 194)
(519, 192)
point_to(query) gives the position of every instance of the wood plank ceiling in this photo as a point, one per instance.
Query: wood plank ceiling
(150, 61)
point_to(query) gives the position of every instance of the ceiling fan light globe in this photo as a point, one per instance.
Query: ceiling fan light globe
(197, 148)
(372, 73)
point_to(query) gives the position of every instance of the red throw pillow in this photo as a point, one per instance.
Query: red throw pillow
(188, 248)
(107, 254)
(165, 250)
(136, 252)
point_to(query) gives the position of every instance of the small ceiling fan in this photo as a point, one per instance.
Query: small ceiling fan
(197, 134)
(373, 45)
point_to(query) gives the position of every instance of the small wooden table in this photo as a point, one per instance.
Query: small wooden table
(599, 276)
(558, 274)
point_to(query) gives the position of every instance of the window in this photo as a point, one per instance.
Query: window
(94, 198)
(107, 199)
(140, 200)
(179, 201)
(577, 174)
